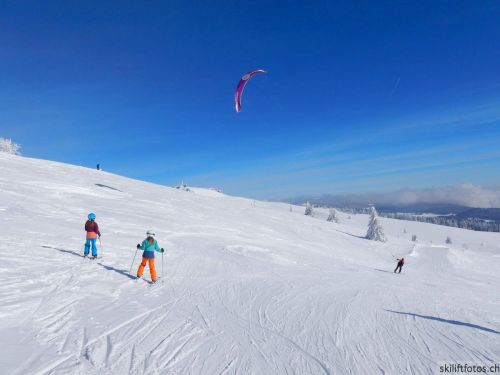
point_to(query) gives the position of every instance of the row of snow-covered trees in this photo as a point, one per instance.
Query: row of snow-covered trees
(375, 231)
(332, 216)
(450, 221)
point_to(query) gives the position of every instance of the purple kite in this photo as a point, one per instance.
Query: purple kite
(241, 86)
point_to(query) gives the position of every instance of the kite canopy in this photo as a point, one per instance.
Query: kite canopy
(241, 86)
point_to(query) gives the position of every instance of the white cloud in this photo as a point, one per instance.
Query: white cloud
(465, 195)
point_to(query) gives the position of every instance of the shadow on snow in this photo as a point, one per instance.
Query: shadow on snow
(377, 269)
(109, 268)
(108, 187)
(454, 322)
(352, 235)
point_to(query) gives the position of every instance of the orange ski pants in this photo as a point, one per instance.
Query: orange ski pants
(152, 269)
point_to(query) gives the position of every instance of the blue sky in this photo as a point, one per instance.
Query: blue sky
(360, 96)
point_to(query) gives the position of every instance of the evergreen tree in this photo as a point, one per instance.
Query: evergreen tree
(332, 216)
(375, 231)
(309, 210)
(6, 145)
(183, 186)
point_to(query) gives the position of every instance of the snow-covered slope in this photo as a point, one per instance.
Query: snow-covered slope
(247, 289)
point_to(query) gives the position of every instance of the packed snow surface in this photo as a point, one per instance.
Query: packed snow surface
(247, 288)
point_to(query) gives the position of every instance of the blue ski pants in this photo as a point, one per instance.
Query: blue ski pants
(88, 243)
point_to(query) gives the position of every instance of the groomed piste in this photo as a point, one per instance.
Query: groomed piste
(247, 288)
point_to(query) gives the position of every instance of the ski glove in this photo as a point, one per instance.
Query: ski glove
(138, 246)
(162, 250)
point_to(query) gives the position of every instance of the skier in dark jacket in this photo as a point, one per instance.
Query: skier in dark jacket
(92, 230)
(401, 262)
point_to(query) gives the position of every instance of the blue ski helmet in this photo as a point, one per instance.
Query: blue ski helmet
(91, 216)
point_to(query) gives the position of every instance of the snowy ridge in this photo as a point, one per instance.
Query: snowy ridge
(248, 289)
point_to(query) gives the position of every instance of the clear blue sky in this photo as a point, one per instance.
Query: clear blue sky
(360, 96)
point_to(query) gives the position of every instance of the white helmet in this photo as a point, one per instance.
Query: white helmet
(151, 233)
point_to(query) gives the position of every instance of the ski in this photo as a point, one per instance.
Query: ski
(156, 284)
(92, 258)
(149, 282)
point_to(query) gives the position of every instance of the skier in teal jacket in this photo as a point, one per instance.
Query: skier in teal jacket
(149, 245)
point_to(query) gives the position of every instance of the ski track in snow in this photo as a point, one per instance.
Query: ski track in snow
(246, 289)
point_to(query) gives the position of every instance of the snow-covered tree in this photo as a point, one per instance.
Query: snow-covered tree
(414, 238)
(375, 231)
(448, 240)
(332, 216)
(183, 186)
(6, 145)
(309, 209)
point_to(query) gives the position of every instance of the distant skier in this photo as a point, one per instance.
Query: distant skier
(149, 245)
(401, 262)
(98, 167)
(92, 230)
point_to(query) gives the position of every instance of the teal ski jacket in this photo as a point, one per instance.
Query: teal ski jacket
(149, 250)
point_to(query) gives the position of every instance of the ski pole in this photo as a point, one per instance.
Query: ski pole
(100, 246)
(133, 260)
(162, 273)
